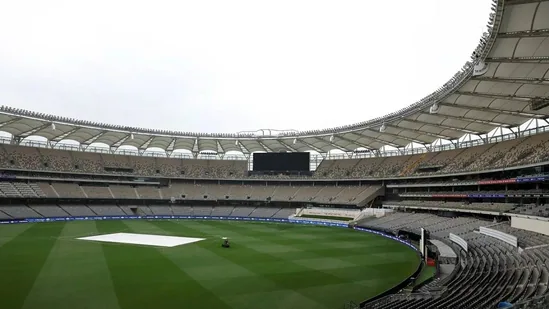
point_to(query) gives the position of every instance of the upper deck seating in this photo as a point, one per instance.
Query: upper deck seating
(530, 149)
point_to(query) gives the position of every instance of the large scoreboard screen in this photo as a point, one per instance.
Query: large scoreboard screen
(281, 162)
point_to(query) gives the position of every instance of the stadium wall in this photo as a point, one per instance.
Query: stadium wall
(402, 284)
(508, 238)
(533, 224)
(334, 212)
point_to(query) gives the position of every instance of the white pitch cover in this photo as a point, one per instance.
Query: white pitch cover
(143, 239)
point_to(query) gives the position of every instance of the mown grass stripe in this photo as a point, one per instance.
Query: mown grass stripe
(284, 272)
(10, 231)
(21, 260)
(259, 283)
(387, 262)
(276, 245)
(144, 278)
(75, 274)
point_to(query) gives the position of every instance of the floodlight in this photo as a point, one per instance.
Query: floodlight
(382, 128)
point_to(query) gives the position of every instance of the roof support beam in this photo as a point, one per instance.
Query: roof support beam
(515, 2)
(541, 59)
(8, 122)
(196, 148)
(522, 34)
(34, 130)
(446, 127)
(171, 146)
(424, 132)
(354, 142)
(267, 149)
(513, 80)
(411, 140)
(495, 96)
(312, 146)
(330, 143)
(62, 136)
(51, 144)
(495, 111)
(383, 142)
(220, 148)
(290, 148)
(120, 141)
(484, 122)
(92, 139)
(146, 144)
(242, 148)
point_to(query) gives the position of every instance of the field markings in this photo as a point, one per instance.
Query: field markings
(75, 275)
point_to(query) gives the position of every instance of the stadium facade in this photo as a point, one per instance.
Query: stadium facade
(469, 163)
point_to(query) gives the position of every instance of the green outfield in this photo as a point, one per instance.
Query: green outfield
(269, 266)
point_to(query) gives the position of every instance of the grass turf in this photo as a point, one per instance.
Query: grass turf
(268, 266)
(427, 273)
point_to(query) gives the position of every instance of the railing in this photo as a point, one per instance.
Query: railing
(459, 241)
(510, 239)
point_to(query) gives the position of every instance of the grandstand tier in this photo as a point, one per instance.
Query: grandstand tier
(513, 153)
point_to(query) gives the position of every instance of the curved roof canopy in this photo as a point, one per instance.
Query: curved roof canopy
(508, 72)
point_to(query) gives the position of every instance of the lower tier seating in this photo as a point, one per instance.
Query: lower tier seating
(49, 211)
(490, 271)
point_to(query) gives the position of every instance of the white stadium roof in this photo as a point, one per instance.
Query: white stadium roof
(508, 71)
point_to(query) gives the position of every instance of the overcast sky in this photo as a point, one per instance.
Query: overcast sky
(229, 66)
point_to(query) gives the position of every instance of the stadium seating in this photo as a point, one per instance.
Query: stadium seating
(497, 207)
(490, 271)
(529, 149)
(350, 195)
(161, 210)
(20, 189)
(19, 212)
(532, 210)
(50, 211)
(31, 158)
